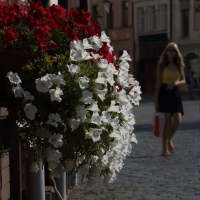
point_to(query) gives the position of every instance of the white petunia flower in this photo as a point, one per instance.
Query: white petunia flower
(73, 69)
(86, 44)
(30, 111)
(93, 134)
(53, 155)
(131, 80)
(81, 112)
(76, 45)
(56, 140)
(18, 91)
(110, 79)
(96, 43)
(52, 165)
(57, 79)
(55, 94)
(43, 84)
(111, 69)
(94, 159)
(87, 97)
(101, 93)
(79, 55)
(122, 78)
(125, 56)
(135, 90)
(13, 78)
(34, 167)
(105, 117)
(103, 64)
(93, 106)
(113, 107)
(104, 37)
(101, 79)
(116, 134)
(96, 55)
(133, 138)
(115, 123)
(27, 95)
(80, 159)
(136, 99)
(124, 66)
(69, 165)
(53, 119)
(95, 119)
(83, 82)
(74, 123)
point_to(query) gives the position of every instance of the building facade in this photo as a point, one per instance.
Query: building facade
(157, 22)
(118, 23)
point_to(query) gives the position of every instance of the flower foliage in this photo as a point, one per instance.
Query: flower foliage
(76, 101)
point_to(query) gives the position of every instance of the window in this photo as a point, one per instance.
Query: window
(124, 13)
(163, 17)
(140, 16)
(151, 18)
(185, 22)
(197, 15)
(110, 17)
(95, 11)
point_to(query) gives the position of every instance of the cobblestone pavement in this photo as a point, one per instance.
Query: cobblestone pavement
(148, 176)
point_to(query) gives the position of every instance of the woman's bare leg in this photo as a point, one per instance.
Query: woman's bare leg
(175, 125)
(167, 131)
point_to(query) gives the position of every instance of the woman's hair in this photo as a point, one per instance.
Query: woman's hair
(178, 60)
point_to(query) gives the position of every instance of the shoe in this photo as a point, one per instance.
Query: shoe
(166, 153)
(171, 147)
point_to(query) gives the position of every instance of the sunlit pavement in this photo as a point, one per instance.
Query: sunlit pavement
(148, 176)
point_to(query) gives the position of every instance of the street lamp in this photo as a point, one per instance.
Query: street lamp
(106, 4)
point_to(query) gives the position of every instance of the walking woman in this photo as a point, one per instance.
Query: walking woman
(170, 74)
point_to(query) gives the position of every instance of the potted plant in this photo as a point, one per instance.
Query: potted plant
(74, 96)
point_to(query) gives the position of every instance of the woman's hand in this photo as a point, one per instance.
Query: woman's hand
(157, 107)
(170, 86)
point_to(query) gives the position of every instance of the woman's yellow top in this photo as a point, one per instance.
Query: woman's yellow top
(169, 76)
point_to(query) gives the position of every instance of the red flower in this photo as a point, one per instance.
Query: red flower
(58, 12)
(9, 35)
(68, 30)
(75, 36)
(104, 51)
(74, 15)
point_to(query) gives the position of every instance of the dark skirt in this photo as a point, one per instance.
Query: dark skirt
(170, 100)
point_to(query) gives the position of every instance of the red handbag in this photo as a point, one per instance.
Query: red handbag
(158, 125)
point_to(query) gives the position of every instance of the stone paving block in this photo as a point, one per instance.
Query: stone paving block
(190, 198)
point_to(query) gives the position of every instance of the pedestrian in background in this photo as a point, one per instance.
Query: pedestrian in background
(170, 74)
(192, 84)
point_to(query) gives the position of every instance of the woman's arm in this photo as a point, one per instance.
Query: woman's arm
(181, 80)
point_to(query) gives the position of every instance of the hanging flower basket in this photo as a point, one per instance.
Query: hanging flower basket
(75, 102)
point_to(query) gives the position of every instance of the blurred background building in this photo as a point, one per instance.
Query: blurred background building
(143, 28)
